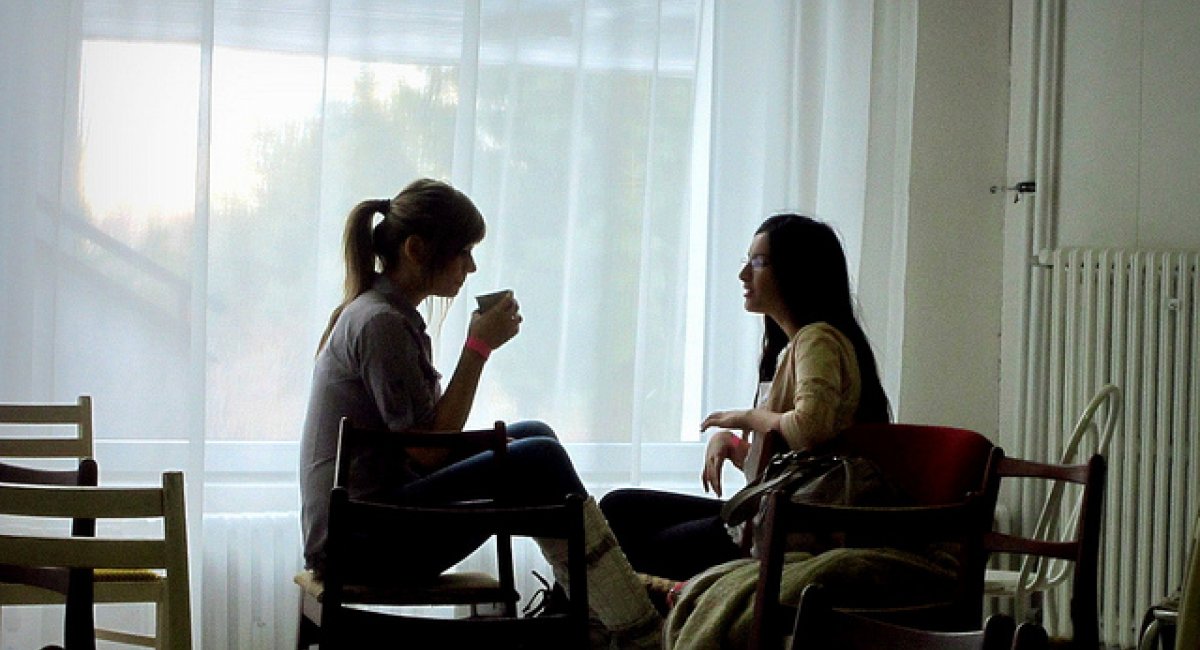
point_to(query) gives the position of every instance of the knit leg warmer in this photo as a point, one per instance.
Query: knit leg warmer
(615, 594)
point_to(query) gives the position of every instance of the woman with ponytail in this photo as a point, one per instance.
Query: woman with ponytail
(374, 365)
(817, 376)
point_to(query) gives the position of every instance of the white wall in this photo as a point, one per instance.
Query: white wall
(951, 349)
(1130, 153)
(1129, 161)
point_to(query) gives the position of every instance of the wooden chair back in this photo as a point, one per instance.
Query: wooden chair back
(948, 476)
(1059, 517)
(167, 553)
(44, 416)
(1082, 548)
(74, 586)
(930, 464)
(32, 431)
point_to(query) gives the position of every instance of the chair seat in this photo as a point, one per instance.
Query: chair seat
(128, 575)
(465, 588)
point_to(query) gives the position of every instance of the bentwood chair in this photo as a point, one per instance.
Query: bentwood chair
(1060, 518)
(73, 586)
(44, 432)
(948, 476)
(166, 553)
(1078, 546)
(348, 610)
(820, 626)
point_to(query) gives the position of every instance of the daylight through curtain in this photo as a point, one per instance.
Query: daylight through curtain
(176, 174)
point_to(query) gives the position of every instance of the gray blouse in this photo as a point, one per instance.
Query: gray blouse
(376, 369)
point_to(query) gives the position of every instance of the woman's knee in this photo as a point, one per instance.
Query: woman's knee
(526, 429)
(538, 451)
(544, 459)
(619, 500)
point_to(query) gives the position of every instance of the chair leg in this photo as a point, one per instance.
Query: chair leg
(308, 630)
(161, 629)
(302, 641)
(307, 633)
(1035, 608)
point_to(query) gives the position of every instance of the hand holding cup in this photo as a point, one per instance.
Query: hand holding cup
(497, 319)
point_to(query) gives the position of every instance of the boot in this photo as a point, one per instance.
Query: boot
(615, 594)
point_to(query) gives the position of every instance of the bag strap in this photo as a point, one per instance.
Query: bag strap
(740, 506)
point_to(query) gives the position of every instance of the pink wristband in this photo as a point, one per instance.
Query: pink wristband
(739, 441)
(478, 346)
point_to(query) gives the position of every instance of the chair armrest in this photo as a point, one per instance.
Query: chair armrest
(457, 444)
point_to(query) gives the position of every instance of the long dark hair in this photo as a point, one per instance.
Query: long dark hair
(436, 212)
(809, 268)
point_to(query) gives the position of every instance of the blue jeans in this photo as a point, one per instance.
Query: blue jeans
(538, 471)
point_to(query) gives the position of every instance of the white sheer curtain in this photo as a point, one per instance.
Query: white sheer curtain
(175, 175)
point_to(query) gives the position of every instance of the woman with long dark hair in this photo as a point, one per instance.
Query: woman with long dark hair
(817, 377)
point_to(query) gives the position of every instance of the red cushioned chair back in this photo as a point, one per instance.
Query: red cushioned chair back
(931, 464)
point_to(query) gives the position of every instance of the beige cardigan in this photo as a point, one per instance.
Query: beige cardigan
(816, 386)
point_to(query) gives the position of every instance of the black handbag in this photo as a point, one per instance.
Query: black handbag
(806, 477)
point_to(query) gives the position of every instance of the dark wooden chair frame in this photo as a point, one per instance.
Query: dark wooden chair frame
(818, 625)
(74, 584)
(1083, 551)
(347, 626)
(935, 517)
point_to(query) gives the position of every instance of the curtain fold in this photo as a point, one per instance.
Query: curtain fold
(793, 136)
(174, 178)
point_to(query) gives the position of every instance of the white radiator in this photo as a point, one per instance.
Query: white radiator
(1129, 318)
(250, 601)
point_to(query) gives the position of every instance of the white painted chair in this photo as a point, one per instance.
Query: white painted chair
(1038, 575)
(167, 555)
(40, 417)
(34, 441)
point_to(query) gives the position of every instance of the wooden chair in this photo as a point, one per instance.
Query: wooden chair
(111, 586)
(167, 553)
(41, 417)
(74, 586)
(346, 617)
(947, 474)
(1080, 545)
(1059, 518)
(820, 626)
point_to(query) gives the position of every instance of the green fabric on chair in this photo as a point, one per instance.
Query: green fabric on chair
(716, 608)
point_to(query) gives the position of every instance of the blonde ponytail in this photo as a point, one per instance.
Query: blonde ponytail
(358, 251)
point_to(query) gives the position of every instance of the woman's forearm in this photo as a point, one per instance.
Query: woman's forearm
(451, 411)
(762, 420)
